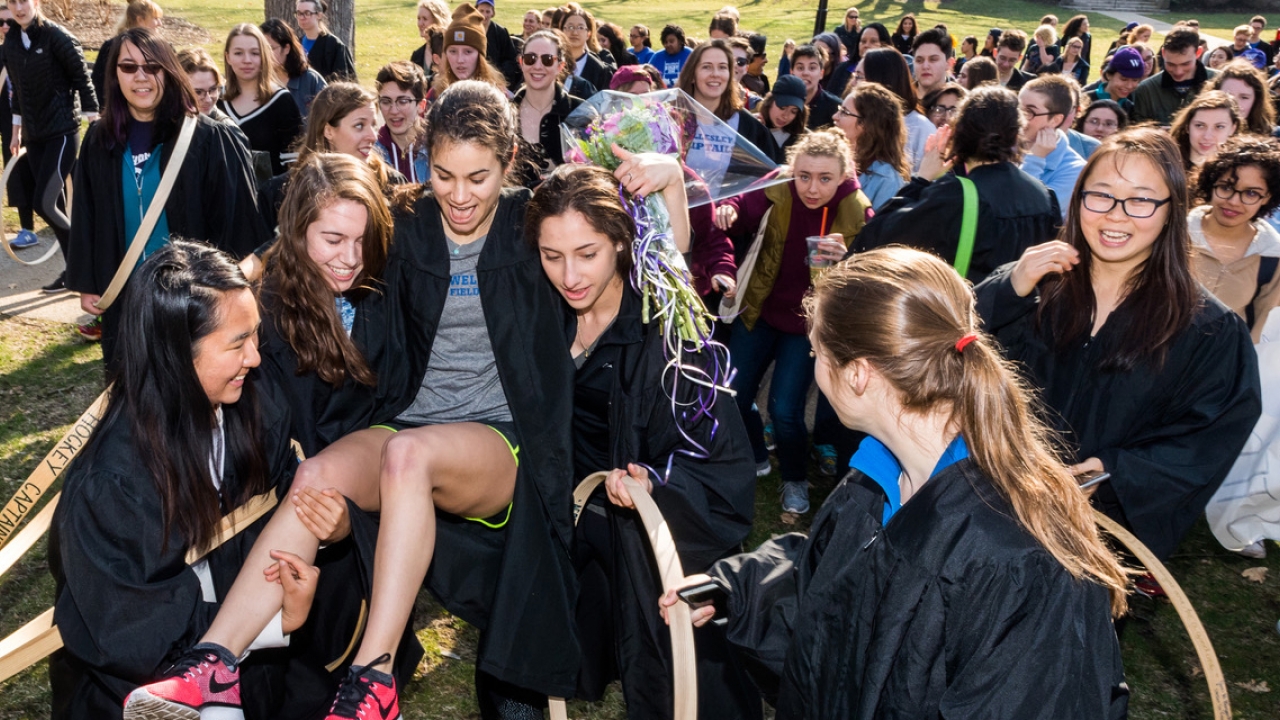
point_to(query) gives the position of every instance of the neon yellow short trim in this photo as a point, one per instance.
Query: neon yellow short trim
(490, 522)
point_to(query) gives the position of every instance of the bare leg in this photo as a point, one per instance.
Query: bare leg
(465, 469)
(351, 466)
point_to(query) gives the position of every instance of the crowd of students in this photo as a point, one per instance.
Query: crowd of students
(411, 284)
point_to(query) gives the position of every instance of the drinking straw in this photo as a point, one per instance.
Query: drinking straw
(822, 229)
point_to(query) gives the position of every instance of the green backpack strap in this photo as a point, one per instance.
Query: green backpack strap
(968, 226)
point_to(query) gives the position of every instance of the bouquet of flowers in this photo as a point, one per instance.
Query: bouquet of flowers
(697, 366)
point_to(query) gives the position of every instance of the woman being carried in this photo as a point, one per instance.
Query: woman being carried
(477, 457)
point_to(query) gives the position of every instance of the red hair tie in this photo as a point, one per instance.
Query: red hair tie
(963, 342)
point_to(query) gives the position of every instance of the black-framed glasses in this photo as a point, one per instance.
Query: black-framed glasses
(1031, 114)
(740, 62)
(1250, 196)
(531, 59)
(128, 67)
(574, 28)
(1135, 207)
(212, 92)
(305, 13)
(848, 113)
(1100, 123)
(402, 102)
(945, 111)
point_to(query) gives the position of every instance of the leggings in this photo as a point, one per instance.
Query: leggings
(51, 162)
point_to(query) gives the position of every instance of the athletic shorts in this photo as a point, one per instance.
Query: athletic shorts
(505, 430)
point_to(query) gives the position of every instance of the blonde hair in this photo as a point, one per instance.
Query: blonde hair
(902, 310)
(439, 11)
(265, 84)
(1046, 34)
(824, 143)
(137, 12)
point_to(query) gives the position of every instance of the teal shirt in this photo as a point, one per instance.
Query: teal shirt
(139, 191)
(875, 461)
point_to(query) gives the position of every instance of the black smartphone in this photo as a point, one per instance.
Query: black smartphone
(1089, 479)
(708, 593)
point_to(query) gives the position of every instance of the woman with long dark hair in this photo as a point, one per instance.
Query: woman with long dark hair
(186, 439)
(1248, 85)
(623, 422)
(783, 112)
(47, 71)
(138, 13)
(474, 460)
(887, 67)
(291, 68)
(325, 52)
(124, 158)
(1149, 377)
(958, 549)
(1203, 125)
(905, 36)
(1014, 210)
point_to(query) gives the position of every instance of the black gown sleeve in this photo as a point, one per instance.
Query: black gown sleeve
(228, 194)
(109, 540)
(999, 305)
(902, 220)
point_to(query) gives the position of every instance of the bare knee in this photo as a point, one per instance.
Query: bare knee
(406, 461)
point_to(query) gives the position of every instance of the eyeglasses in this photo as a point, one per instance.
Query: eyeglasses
(402, 102)
(1031, 114)
(1251, 196)
(305, 13)
(531, 59)
(574, 28)
(128, 67)
(740, 62)
(1101, 124)
(1135, 207)
(848, 113)
(945, 111)
(212, 92)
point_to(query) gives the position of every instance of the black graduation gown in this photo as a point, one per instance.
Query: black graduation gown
(757, 134)
(951, 609)
(127, 608)
(1015, 211)
(330, 57)
(708, 504)
(212, 200)
(1167, 435)
(516, 584)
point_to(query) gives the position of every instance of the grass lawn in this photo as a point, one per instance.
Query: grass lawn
(387, 30)
(47, 377)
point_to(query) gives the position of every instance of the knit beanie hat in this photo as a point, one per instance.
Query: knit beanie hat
(467, 29)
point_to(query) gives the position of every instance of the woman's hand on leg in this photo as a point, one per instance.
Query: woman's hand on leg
(299, 582)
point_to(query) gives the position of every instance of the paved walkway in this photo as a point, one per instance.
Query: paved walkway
(1160, 26)
(20, 286)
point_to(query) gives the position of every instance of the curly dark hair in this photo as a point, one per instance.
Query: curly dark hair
(988, 126)
(1242, 151)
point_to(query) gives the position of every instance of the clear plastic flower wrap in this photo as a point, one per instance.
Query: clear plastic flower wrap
(719, 163)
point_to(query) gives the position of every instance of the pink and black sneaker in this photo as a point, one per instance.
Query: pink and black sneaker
(204, 683)
(366, 693)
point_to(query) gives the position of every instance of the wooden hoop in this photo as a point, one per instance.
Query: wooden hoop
(683, 654)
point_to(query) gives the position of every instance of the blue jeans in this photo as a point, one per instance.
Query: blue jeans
(752, 351)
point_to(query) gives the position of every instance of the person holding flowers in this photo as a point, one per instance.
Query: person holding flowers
(699, 471)
(823, 200)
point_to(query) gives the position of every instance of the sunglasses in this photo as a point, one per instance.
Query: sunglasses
(531, 59)
(740, 62)
(129, 67)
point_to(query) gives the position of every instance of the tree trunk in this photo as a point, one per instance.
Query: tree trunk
(341, 18)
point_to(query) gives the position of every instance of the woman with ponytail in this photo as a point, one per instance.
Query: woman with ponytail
(957, 566)
(1149, 377)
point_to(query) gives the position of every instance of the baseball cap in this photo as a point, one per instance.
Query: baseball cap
(1256, 57)
(1128, 62)
(788, 91)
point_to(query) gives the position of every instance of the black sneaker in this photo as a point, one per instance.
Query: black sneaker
(57, 286)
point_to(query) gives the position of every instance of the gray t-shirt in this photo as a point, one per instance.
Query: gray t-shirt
(461, 383)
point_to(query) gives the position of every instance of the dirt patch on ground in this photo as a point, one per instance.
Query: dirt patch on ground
(95, 21)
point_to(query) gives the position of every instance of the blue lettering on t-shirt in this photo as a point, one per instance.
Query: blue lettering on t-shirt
(464, 284)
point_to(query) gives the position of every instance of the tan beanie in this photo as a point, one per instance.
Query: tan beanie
(467, 28)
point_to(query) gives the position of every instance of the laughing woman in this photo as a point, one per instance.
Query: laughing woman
(186, 439)
(623, 421)
(476, 460)
(709, 78)
(124, 156)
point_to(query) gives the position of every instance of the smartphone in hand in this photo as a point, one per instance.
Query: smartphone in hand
(708, 593)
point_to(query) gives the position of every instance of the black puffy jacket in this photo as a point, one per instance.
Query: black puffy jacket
(46, 77)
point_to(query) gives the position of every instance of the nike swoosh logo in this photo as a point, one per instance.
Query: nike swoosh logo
(386, 711)
(216, 687)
